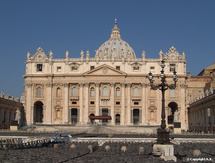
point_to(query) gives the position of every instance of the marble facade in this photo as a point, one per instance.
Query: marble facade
(113, 82)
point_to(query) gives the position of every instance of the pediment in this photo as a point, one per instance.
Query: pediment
(39, 55)
(104, 70)
(173, 55)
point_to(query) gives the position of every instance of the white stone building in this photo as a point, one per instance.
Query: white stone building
(112, 82)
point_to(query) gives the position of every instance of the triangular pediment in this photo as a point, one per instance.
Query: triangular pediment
(104, 70)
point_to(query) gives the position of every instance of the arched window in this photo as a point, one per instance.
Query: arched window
(74, 91)
(92, 92)
(105, 91)
(58, 92)
(118, 92)
(136, 91)
(39, 92)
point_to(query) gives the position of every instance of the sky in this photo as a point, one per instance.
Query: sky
(75, 25)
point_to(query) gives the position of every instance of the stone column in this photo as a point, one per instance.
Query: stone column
(66, 103)
(129, 104)
(86, 110)
(182, 114)
(48, 113)
(81, 102)
(97, 99)
(112, 103)
(122, 121)
(143, 103)
(29, 111)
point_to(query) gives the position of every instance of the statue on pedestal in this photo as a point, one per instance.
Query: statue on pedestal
(176, 116)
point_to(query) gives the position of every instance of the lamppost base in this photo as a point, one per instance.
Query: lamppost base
(163, 136)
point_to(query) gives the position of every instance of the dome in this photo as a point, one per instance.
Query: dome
(115, 47)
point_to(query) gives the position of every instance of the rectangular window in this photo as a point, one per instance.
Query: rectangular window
(74, 68)
(136, 68)
(172, 93)
(172, 67)
(136, 103)
(118, 67)
(39, 67)
(74, 102)
(58, 69)
(92, 102)
(92, 67)
(117, 103)
(152, 68)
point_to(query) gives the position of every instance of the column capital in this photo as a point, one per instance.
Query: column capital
(97, 84)
(112, 84)
(123, 84)
(144, 85)
(49, 85)
(81, 85)
(66, 84)
(87, 84)
(129, 85)
(29, 85)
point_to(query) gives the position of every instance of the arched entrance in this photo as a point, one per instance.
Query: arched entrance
(173, 108)
(136, 115)
(117, 119)
(74, 115)
(38, 112)
(92, 120)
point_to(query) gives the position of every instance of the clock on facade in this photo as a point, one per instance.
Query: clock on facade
(172, 55)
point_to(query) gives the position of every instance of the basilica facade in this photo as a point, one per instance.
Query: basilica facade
(113, 82)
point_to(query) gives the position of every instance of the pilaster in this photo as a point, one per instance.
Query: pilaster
(48, 113)
(144, 103)
(86, 110)
(122, 121)
(97, 99)
(129, 104)
(112, 102)
(66, 103)
(81, 102)
(29, 112)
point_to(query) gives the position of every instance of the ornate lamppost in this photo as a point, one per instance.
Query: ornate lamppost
(162, 133)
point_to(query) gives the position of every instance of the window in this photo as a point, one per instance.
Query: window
(136, 103)
(136, 68)
(74, 102)
(172, 93)
(118, 67)
(58, 69)
(39, 67)
(105, 91)
(172, 67)
(74, 91)
(92, 102)
(39, 92)
(117, 103)
(92, 92)
(92, 67)
(152, 68)
(74, 68)
(117, 92)
(136, 91)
